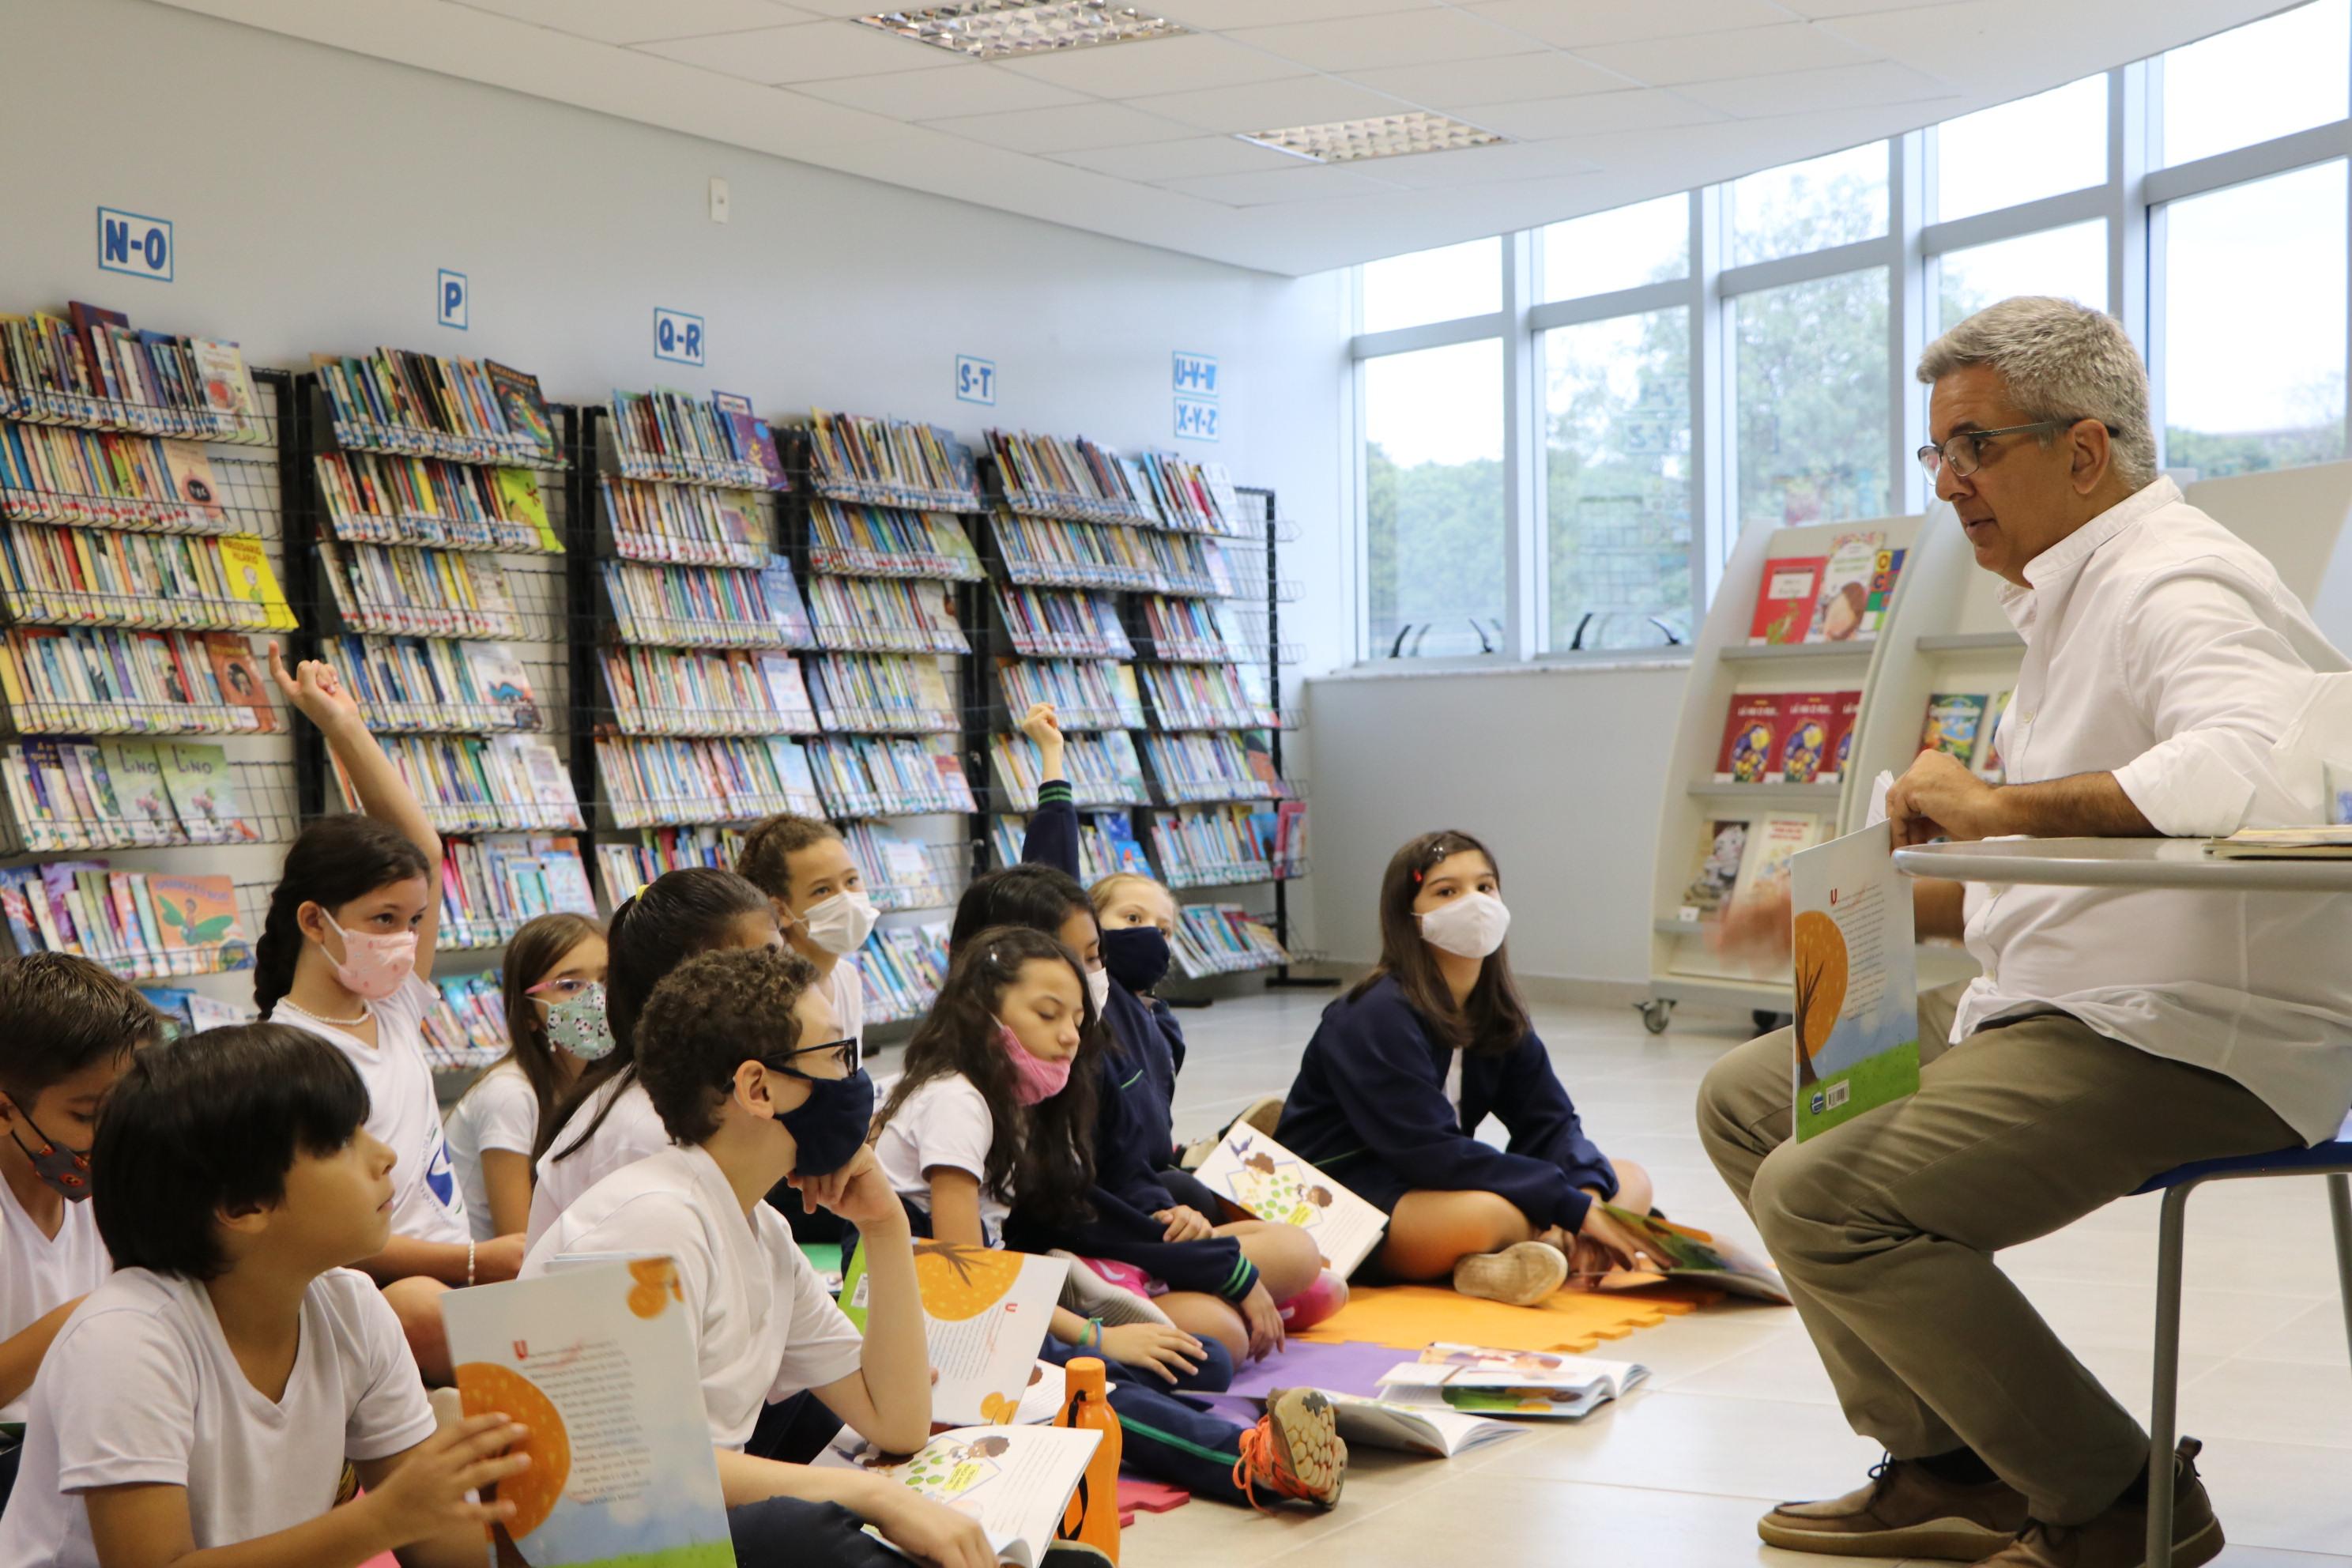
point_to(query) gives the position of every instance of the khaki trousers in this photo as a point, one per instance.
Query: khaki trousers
(1884, 1230)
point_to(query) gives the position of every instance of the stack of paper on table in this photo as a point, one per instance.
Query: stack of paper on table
(2283, 843)
(1483, 1382)
(1016, 1481)
(1267, 1182)
(1693, 1256)
(985, 1314)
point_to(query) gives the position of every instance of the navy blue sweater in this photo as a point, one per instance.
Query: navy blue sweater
(1370, 1106)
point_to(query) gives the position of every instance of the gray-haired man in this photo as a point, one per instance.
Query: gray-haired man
(2112, 1036)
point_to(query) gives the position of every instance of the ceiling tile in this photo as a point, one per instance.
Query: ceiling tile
(1154, 161)
(1226, 13)
(1156, 65)
(1740, 51)
(1400, 38)
(1271, 105)
(1477, 165)
(812, 51)
(1840, 87)
(1592, 114)
(1279, 186)
(1572, 26)
(1445, 85)
(930, 95)
(1081, 125)
(643, 21)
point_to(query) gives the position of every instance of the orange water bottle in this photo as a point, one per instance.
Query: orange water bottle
(1092, 1518)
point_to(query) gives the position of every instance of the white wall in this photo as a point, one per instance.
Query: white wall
(315, 194)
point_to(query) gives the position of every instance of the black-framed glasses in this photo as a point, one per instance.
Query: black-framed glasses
(844, 1052)
(1964, 453)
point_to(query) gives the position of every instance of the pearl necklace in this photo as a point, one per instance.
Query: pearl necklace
(367, 1011)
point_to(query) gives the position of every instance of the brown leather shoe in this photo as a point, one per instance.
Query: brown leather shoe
(1904, 1511)
(2118, 1538)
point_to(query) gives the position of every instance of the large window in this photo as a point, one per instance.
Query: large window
(1433, 285)
(1806, 206)
(1434, 500)
(1622, 248)
(1812, 400)
(1617, 480)
(1567, 430)
(2253, 325)
(2287, 73)
(2069, 262)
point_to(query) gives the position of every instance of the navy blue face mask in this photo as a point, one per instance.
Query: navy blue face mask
(1137, 956)
(830, 1126)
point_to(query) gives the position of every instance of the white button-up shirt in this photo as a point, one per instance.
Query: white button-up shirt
(2162, 649)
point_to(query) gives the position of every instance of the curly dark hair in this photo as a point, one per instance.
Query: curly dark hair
(708, 1017)
(1042, 1157)
(766, 861)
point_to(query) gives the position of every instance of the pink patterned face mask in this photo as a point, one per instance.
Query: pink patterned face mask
(1034, 1079)
(373, 965)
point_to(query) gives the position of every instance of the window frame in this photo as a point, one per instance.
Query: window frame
(2132, 200)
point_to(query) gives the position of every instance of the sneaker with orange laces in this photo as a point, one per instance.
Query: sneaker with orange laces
(1293, 1451)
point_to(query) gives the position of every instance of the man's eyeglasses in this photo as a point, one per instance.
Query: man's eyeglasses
(1964, 453)
(844, 1051)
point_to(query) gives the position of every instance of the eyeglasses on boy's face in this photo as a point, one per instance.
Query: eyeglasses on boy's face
(844, 1052)
(562, 989)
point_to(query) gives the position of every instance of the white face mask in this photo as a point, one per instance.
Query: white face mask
(1099, 987)
(1471, 926)
(841, 923)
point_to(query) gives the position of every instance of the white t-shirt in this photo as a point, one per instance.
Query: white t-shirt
(142, 1389)
(500, 1112)
(39, 1273)
(633, 1130)
(402, 1111)
(945, 1123)
(847, 986)
(764, 1327)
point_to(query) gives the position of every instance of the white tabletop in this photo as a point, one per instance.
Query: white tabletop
(2120, 863)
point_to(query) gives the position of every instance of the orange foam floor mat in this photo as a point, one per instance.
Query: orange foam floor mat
(1574, 1322)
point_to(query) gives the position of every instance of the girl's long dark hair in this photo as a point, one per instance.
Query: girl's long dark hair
(1042, 1157)
(1038, 897)
(1492, 1019)
(681, 913)
(335, 860)
(536, 949)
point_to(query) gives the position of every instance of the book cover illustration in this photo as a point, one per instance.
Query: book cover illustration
(1806, 721)
(522, 500)
(1270, 1183)
(1694, 1255)
(1840, 749)
(1988, 765)
(192, 482)
(1785, 599)
(985, 1314)
(199, 914)
(197, 776)
(1015, 1481)
(240, 678)
(1886, 571)
(599, 1363)
(1752, 733)
(1955, 718)
(245, 565)
(1489, 1382)
(1857, 995)
(1771, 843)
(1842, 611)
(1723, 846)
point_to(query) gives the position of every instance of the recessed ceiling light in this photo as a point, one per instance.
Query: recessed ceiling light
(1006, 29)
(1385, 136)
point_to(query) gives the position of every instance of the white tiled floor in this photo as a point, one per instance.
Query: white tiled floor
(1739, 1415)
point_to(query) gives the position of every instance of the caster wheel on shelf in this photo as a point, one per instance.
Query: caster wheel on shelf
(1655, 1015)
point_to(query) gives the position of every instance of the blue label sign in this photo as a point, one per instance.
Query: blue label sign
(135, 243)
(679, 337)
(1196, 420)
(975, 379)
(1195, 375)
(449, 302)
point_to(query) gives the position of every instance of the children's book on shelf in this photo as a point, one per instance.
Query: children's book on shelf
(1692, 1256)
(1223, 939)
(90, 367)
(1269, 1181)
(204, 792)
(891, 462)
(238, 677)
(597, 1360)
(1785, 597)
(1857, 994)
(143, 925)
(1954, 721)
(1841, 611)
(1752, 737)
(1807, 718)
(1434, 1429)
(1544, 1385)
(985, 1313)
(1723, 847)
(1839, 754)
(1775, 838)
(901, 969)
(1015, 1481)
(1988, 764)
(1886, 571)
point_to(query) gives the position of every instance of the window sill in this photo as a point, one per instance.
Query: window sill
(1615, 661)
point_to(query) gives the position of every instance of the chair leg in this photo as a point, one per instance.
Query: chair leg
(2165, 1396)
(2339, 1208)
